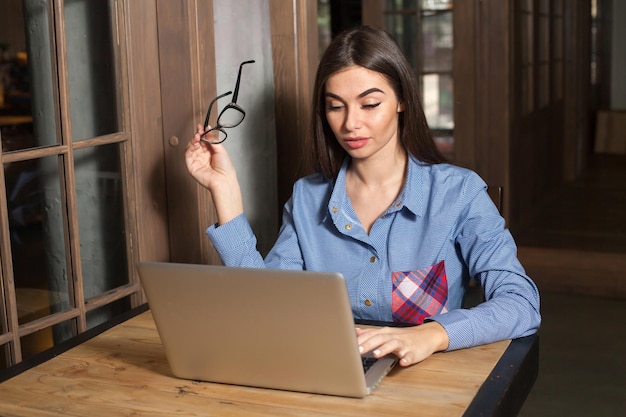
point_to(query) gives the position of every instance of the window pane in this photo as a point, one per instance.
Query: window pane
(4, 354)
(528, 89)
(401, 22)
(36, 219)
(436, 4)
(400, 5)
(527, 39)
(438, 101)
(324, 29)
(28, 111)
(526, 5)
(91, 68)
(101, 219)
(544, 39)
(41, 340)
(107, 312)
(544, 85)
(437, 41)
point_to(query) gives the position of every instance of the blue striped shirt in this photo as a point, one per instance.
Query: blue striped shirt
(442, 213)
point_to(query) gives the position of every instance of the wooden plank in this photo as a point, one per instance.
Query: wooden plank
(146, 130)
(294, 59)
(178, 126)
(204, 89)
(124, 371)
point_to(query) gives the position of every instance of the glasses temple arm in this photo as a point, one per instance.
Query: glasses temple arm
(236, 93)
(208, 113)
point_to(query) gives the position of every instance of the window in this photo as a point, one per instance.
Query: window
(424, 29)
(542, 53)
(65, 233)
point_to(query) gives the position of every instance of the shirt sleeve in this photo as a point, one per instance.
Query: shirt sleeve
(513, 313)
(511, 308)
(236, 244)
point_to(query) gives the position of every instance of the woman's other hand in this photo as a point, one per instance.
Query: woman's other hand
(410, 344)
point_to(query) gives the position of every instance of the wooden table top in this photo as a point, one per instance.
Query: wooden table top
(123, 371)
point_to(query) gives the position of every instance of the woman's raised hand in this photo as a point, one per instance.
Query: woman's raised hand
(211, 166)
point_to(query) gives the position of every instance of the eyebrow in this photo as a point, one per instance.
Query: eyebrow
(363, 94)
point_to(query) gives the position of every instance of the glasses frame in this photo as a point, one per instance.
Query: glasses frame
(230, 106)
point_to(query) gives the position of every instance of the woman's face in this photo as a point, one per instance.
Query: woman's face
(362, 111)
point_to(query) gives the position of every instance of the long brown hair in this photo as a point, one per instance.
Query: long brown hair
(376, 50)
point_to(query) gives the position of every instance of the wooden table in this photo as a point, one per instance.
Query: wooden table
(123, 371)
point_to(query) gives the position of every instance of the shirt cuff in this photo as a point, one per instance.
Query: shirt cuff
(459, 328)
(231, 235)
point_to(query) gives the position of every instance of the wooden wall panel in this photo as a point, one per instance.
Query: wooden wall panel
(171, 77)
(203, 90)
(184, 56)
(146, 131)
(482, 111)
(178, 127)
(465, 78)
(494, 111)
(295, 58)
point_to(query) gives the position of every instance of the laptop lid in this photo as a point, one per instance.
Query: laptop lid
(289, 330)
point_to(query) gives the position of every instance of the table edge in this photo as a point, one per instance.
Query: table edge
(46, 355)
(506, 388)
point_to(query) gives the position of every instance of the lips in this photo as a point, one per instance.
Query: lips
(356, 143)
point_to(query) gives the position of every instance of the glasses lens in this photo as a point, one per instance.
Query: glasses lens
(231, 116)
(214, 136)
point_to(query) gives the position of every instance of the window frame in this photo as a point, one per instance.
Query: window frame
(12, 330)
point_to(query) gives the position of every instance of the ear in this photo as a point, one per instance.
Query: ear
(400, 107)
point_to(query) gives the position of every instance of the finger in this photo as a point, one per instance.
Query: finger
(372, 339)
(408, 359)
(193, 147)
(360, 331)
(389, 346)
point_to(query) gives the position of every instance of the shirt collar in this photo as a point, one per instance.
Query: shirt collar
(411, 196)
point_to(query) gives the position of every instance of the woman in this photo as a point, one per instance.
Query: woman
(407, 230)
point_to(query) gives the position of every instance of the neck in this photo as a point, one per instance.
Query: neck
(382, 172)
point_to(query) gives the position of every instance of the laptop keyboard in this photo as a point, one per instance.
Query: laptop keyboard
(368, 362)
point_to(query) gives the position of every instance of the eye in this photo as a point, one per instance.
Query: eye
(333, 107)
(371, 106)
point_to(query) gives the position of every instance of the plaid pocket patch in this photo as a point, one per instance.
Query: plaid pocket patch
(417, 295)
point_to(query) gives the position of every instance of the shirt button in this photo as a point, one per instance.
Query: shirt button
(368, 303)
(398, 203)
(335, 210)
(373, 259)
(348, 226)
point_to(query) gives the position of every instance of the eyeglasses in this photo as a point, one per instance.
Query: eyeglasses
(231, 116)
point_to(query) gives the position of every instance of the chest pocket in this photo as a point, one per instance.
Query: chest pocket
(417, 295)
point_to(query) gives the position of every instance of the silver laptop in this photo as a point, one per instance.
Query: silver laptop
(288, 330)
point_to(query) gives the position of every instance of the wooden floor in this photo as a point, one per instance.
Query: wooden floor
(576, 239)
(582, 366)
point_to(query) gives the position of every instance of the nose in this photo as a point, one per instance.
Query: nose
(353, 119)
